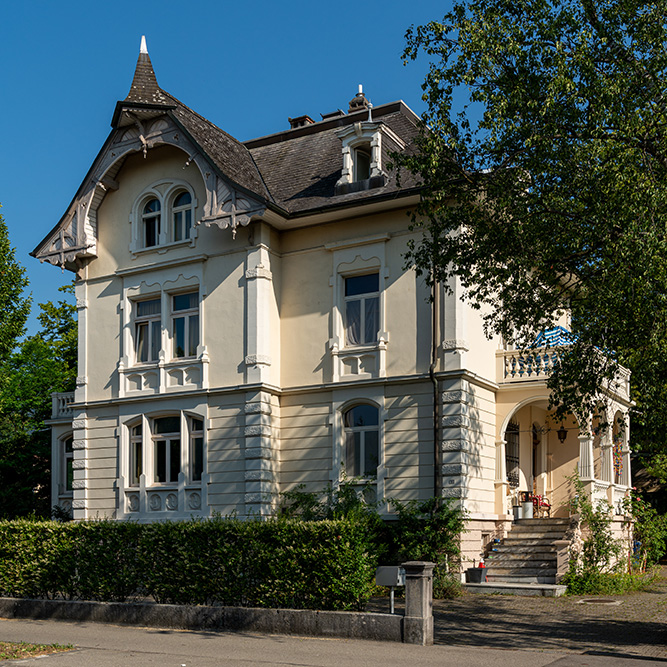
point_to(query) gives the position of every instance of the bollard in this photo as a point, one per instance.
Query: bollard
(418, 620)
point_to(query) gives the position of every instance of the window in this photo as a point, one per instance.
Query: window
(196, 449)
(185, 325)
(362, 309)
(163, 214)
(67, 464)
(181, 217)
(362, 440)
(151, 223)
(512, 454)
(166, 449)
(164, 446)
(362, 163)
(136, 455)
(147, 330)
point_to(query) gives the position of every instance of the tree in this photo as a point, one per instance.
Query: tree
(43, 363)
(14, 306)
(547, 192)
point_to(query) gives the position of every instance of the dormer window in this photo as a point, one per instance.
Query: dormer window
(182, 216)
(151, 223)
(362, 163)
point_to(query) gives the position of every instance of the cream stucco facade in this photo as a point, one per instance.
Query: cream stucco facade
(252, 344)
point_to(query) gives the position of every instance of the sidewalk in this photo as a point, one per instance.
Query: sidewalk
(115, 646)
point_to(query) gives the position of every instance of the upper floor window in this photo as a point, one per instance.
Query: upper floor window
(362, 440)
(148, 331)
(362, 309)
(163, 214)
(185, 324)
(166, 449)
(181, 216)
(362, 163)
(151, 218)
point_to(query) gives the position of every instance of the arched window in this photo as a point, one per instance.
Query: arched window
(150, 220)
(362, 440)
(181, 216)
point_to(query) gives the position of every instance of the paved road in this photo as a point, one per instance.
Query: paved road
(114, 646)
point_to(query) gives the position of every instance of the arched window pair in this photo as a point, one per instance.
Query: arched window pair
(362, 440)
(180, 215)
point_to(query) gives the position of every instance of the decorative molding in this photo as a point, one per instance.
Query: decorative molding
(258, 272)
(81, 380)
(78, 443)
(454, 469)
(455, 344)
(257, 430)
(257, 408)
(454, 446)
(256, 359)
(81, 303)
(454, 421)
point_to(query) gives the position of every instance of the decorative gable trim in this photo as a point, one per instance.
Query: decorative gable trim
(75, 236)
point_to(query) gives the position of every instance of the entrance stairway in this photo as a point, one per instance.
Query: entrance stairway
(528, 554)
(525, 562)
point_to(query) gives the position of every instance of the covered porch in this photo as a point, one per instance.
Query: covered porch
(539, 454)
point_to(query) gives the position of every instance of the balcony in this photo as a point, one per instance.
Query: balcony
(61, 405)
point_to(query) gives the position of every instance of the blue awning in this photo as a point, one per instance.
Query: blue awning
(553, 338)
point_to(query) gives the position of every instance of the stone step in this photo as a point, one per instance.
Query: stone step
(511, 560)
(520, 548)
(552, 521)
(521, 581)
(519, 587)
(499, 573)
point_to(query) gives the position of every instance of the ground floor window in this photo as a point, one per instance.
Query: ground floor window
(362, 440)
(67, 458)
(162, 447)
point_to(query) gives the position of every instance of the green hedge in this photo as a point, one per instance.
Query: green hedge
(288, 564)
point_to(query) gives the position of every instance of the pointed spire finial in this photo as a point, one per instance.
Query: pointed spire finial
(143, 48)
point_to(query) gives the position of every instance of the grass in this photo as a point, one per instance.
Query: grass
(19, 650)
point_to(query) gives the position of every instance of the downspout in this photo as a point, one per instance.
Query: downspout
(435, 314)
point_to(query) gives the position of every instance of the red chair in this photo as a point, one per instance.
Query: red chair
(541, 506)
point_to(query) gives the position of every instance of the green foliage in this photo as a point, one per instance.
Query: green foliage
(650, 531)
(430, 530)
(427, 530)
(43, 363)
(609, 583)
(289, 564)
(597, 566)
(547, 192)
(14, 306)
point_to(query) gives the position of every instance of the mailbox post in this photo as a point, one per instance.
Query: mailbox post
(418, 621)
(392, 576)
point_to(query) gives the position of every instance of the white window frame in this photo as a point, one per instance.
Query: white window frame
(67, 460)
(149, 322)
(187, 315)
(362, 298)
(181, 217)
(362, 431)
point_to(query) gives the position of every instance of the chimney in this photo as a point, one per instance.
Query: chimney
(300, 121)
(359, 102)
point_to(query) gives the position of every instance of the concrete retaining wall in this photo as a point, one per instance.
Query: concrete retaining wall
(352, 625)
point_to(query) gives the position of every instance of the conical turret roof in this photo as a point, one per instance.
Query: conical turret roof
(144, 89)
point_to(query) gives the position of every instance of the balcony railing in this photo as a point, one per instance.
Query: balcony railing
(517, 366)
(61, 405)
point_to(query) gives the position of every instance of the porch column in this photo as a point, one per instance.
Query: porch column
(586, 471)
(501, 482)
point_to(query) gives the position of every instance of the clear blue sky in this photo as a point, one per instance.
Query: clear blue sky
(246, 66)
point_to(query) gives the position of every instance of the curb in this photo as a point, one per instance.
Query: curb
(304, 622)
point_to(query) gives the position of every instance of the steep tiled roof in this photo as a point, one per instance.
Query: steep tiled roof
(301, 167)
(144, 88)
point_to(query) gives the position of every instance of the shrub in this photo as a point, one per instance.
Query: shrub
(650, 531)
(322, 565)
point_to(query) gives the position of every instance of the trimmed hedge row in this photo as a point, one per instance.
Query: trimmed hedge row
(288, 564)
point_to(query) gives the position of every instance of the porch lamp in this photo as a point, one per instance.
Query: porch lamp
(561, 433)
